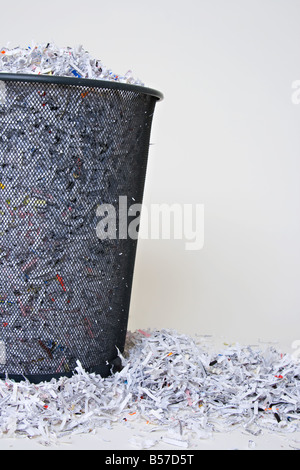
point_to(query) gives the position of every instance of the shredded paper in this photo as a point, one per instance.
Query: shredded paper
(49, 59)
(168, 381)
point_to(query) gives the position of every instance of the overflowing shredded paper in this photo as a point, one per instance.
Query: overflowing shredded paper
(168, 381)
(49, 59)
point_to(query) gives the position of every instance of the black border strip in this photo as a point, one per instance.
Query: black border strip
(87, 82)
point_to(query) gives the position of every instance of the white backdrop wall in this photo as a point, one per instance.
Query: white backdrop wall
(227, 135)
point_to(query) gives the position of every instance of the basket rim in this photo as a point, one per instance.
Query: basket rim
(75, 81)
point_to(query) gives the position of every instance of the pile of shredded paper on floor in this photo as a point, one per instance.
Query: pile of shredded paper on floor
(168, 381)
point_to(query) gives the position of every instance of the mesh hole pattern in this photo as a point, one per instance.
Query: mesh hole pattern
(64, 293)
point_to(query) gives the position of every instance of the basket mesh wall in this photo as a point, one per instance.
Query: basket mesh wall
(64, 293)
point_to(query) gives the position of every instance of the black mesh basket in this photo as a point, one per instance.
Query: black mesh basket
(67, 147)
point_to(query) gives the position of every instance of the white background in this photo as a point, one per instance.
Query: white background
(226, 135)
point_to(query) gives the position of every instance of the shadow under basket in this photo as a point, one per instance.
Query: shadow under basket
(68, 147)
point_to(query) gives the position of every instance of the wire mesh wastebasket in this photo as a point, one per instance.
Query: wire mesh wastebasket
(67, 147)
